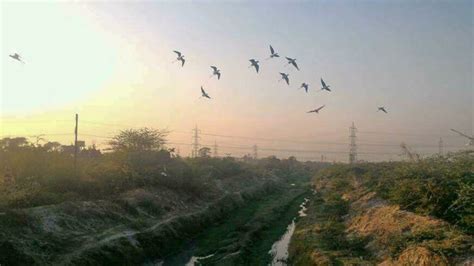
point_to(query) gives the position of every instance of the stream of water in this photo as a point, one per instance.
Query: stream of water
(279, 249)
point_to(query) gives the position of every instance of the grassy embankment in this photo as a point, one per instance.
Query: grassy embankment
(390, 213)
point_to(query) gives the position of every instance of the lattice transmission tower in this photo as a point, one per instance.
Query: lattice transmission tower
(352, 145)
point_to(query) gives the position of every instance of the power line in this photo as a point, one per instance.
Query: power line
(403, 134)
(126, 125)
(277, 149)
(32, 136)
(108, 124)
(228, 146)
(31, 121)
(248, 147)
(265, 139)
(309, 142)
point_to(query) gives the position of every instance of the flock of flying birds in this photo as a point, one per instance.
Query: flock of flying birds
(253, 63)
(284, 76)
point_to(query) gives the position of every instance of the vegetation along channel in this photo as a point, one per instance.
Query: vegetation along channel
(143, 204)
(138, 205)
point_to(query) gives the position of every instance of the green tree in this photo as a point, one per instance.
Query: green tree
(137, 140)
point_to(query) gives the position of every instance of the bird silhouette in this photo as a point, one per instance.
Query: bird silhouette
(305, 86)
(216, 72)
(382, 108)
(292, 61)
(316, 110)
(324, 86)
(284, 76)
(16, 57)
(180, 58)
(254, 63)
(272, 53)
(204, 93)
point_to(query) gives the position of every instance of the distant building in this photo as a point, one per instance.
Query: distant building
(70, 148)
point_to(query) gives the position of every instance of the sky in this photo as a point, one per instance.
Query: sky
(112, 63)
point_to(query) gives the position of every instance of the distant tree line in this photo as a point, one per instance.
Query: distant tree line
(32, 174)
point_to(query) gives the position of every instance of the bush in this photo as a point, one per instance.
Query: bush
(438, 186)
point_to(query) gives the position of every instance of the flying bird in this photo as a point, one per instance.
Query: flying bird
(284, 76)
(382, 108)
(305, 86)
(254, 63)
(180, 58)
(316, 110)
(204, 93)
(16, 57)
(272, 53)
(216, 72)
(324, 86)
(292, 61)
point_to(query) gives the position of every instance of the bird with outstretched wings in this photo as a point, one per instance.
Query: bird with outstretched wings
(272, 53)
(382, 108)
(292, 61)
(324, 86)
(316, 110)
(305, 86)
(284, 77)
(254, 63)
(204, 93)
(180, 57)
(216, 72)
(17, 57)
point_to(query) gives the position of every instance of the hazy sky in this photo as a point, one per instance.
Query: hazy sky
(112, 63)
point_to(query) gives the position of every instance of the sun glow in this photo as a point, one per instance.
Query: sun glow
(67, 57)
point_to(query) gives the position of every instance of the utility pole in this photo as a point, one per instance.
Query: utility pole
(255, 151)
(195, 142)
(215, 149)
(352, 145)
(440, 147)
(75, 142)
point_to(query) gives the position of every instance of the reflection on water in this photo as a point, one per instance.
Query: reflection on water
(302, 211)
(194, 260)
(279, 249)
